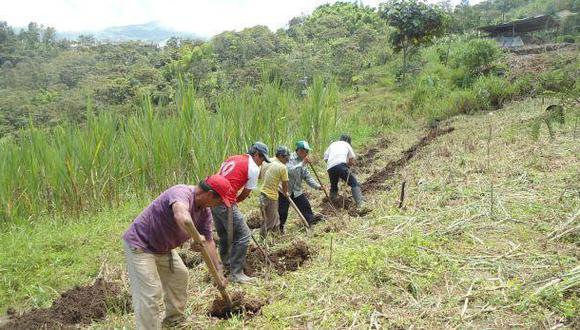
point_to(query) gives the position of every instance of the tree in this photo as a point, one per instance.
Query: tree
(415, 23)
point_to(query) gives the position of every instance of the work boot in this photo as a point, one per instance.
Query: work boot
(361, 208)
(333, 196)
(240, 278)
(316, 218)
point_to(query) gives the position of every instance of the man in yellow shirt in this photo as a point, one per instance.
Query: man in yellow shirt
(273, 174)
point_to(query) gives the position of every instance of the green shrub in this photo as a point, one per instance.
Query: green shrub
(557, 80)
(567, 39)
(476, 55)
(493, 91)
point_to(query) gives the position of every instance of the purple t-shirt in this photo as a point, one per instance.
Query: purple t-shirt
(155, 229)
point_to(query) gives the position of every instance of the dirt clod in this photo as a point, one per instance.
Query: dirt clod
(79, 306)
(283, 260)
(241, 305)
(254, 219)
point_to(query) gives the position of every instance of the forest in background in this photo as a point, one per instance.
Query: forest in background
(45, 81)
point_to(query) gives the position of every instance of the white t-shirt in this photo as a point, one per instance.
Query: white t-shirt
(337, 153)
(253, 174)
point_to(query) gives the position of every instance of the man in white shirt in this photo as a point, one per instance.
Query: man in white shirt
(339, 158)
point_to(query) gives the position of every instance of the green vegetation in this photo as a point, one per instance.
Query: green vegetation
(415, 23)
(110, 159)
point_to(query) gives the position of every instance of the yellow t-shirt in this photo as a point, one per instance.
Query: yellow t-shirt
(273, 174)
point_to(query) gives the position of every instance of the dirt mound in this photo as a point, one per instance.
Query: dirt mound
(254, 219)
(241, 305)
(376, 180)
(78, 306)
(283, 260)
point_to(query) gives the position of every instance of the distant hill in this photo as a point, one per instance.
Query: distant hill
(152, 32)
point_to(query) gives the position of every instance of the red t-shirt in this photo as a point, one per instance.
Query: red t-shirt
(241, 171)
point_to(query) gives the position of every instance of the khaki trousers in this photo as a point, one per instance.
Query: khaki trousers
(269, 208)
(154, 277)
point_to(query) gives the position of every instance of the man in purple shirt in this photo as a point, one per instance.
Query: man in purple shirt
(155, 270)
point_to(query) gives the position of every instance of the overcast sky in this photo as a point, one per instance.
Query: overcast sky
(202, 17)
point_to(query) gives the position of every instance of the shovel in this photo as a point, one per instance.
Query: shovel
(212, 268)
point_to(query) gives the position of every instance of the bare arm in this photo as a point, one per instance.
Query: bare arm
(243, 195)
(185, 223)
(285, 188)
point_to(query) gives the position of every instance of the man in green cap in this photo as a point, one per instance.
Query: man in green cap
(297, 171)
(274, 174)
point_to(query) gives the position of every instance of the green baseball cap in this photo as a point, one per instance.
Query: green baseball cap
(303, 145)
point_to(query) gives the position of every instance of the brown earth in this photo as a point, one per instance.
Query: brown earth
(241, 305)
(78, 306)
(283, 260)
(254, 219)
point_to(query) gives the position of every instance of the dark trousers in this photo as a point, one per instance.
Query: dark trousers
(300, 201)
(242, 233)
(341, 171)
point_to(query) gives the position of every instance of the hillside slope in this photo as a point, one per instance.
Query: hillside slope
(487, 237)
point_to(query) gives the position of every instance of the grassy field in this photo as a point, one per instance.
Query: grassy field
(487, 237)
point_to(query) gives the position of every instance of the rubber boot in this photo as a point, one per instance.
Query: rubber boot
(240, 278)
(361, 208)
(333, 196)
(237, 262)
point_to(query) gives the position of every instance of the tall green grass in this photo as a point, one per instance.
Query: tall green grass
(111, 158)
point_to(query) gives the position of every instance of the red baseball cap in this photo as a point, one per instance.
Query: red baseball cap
(221, 186)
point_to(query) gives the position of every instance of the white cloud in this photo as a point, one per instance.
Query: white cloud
(203, 17)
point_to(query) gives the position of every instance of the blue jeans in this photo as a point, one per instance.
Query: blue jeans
(242, 234)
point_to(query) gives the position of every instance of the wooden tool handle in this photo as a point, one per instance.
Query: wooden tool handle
(296, 209)
(209, 262)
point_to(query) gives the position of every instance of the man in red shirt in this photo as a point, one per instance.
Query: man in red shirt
(242, 171)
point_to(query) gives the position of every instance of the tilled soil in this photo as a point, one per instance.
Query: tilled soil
(284, 260)
(78, 306)
(241, 305)
(376, 180)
